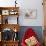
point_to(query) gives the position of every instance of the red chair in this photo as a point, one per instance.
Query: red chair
(29, 33)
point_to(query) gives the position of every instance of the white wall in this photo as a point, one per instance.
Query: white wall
(32, 4)
(25, 5)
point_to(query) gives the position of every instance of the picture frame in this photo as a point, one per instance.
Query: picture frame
(31, 14)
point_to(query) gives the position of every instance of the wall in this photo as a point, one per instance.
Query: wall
(24, 6)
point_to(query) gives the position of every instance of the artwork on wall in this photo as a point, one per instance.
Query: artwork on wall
(31, 14)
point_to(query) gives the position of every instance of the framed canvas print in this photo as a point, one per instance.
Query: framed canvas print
(31, 14)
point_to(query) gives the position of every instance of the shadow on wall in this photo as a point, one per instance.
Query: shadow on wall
(37, 29)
